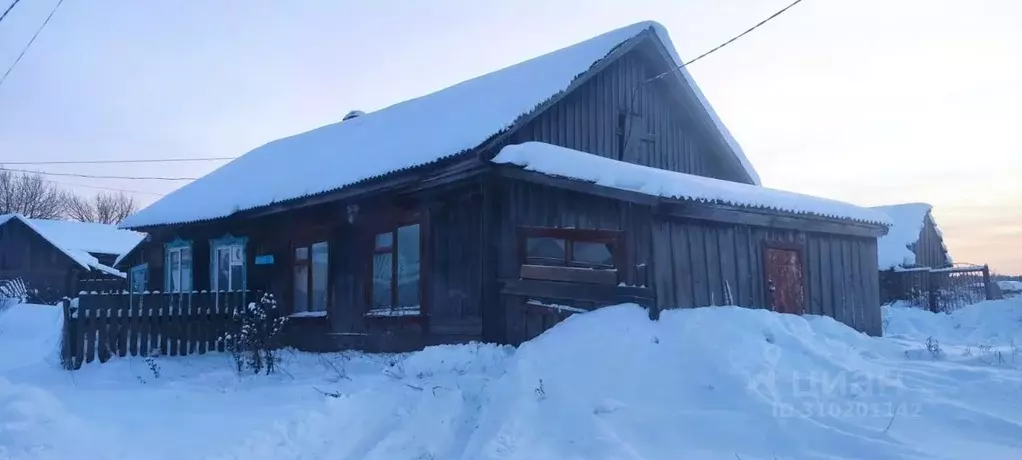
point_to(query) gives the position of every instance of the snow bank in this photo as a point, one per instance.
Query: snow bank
(573, 164)
(992, 322)
(405, 135)
(29, 335)
(1010, 286)
(708, 383)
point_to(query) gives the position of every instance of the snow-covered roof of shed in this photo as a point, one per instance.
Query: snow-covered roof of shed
(908, 220)
(405, 135)
(573, 164)
(78, 239)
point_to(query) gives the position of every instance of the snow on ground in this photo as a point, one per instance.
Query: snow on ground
(713, 383)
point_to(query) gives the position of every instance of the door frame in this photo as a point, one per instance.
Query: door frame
(798, 248)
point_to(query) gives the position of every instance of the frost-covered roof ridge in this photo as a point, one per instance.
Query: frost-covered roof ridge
(66, 244)
(893, 249)
(574, 164)
(405, 135)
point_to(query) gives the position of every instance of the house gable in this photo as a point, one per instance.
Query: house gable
(662, 130)
(409, 141)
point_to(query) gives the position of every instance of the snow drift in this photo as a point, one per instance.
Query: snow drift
(702, 383)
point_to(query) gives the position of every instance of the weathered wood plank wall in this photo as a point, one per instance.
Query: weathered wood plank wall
(698, 263)
(929, 248)
(661, 135)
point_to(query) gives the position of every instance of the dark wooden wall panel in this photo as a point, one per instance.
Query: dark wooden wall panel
(929, 249)
(660, 133)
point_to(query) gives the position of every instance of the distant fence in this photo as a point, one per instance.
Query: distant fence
(104, 284)
(939, 290)
(101, 325)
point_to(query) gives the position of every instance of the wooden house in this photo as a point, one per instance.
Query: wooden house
(594, 175)
(52, 256)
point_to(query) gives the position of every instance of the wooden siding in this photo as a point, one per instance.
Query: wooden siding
(700, 263)
(929, 248)
(452, 234)
(661, 133)
(26, 255)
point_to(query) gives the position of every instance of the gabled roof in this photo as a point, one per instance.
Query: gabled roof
(409, 134)
(894, 249)
(78, 239)
(573, 164)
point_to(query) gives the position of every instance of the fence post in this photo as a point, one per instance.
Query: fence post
(986, 283)
(931, 288)
(67, 348)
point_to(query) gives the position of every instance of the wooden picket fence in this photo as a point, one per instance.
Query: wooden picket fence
(101, 325)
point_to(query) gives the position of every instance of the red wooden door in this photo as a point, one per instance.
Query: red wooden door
(785, 290)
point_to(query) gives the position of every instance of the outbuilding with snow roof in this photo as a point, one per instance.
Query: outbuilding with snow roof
(52, 256)
(493, 209)
(914, 239)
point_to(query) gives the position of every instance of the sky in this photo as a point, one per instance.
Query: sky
(867, 101)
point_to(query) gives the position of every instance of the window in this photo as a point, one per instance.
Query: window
(227, 264)
(178, 266)
(395, 289)
(311, 277)
(557, 254)
(139, 276)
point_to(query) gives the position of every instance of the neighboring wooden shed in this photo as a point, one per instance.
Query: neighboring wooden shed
(914, 239)
(51, 256)
(440, 219)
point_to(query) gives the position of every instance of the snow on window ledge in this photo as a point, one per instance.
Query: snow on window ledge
(308, 314)
(554, 306)
(394, 312)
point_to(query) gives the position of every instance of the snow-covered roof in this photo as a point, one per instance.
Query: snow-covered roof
(573, 164)
(405, 135)
(908, 220)
(78, 239)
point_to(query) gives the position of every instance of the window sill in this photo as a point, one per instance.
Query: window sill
(570, 274)
(402, 312)
(308, 314)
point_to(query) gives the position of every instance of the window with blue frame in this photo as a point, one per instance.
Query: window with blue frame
(139, 278)
(227, 264)
(177, 267)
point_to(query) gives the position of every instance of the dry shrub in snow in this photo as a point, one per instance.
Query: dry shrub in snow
(12, 292)
(255, 336)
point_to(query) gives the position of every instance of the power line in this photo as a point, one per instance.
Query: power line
(109, 189)
(8, 10)
(29, 45)
(736, 37)
(91, 162)
(711, 51)
(90, 176)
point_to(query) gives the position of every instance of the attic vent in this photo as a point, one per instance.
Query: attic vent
(353, 114)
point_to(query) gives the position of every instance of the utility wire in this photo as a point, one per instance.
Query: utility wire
(91, 162)
(8, 10)
(732, 40)
(29, 45)
(90, 176)
(109, 189)
(635, 90)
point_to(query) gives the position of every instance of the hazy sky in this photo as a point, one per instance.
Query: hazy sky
(867, 101)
